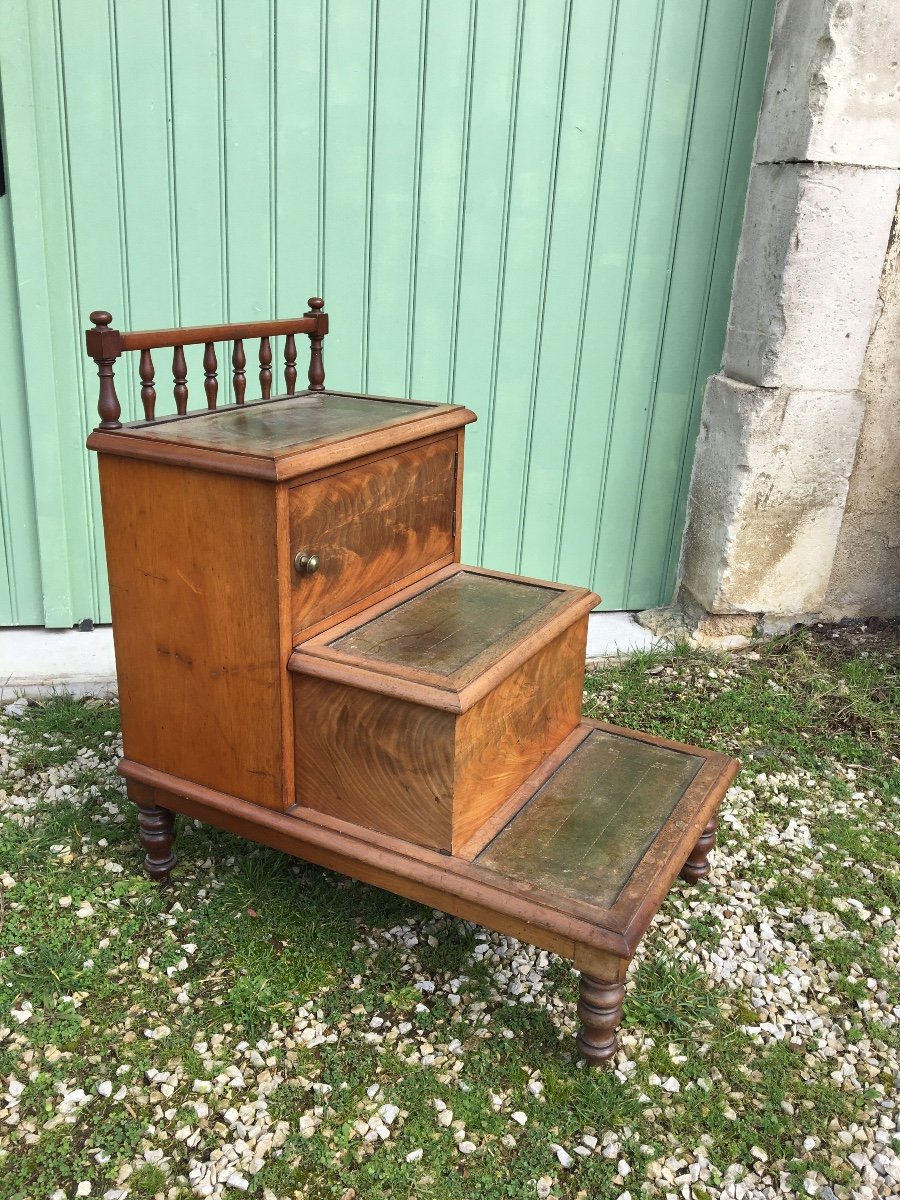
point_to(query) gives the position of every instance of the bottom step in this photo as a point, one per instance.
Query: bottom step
(578, 861)
(585, 829)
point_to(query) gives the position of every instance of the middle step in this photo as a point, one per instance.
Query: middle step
(422, 715)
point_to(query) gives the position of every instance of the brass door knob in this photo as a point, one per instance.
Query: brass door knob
(306, 563)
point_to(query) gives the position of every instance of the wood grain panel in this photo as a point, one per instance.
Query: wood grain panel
(501, 816)
(372, 526)
(378, 762)
(192, 568)
(505, 736)
(417, 771)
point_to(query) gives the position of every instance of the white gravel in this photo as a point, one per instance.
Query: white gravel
(766, 967)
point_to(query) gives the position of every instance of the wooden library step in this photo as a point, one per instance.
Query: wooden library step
(423, 715)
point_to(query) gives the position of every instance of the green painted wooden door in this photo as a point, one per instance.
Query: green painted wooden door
(20, 578)
(527, 206)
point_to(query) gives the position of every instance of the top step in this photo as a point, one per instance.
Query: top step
(285, 436)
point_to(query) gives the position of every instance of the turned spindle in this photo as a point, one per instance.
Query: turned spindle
(157, 833)
(316, 365)
(600, 1011)
(179, 378)
(697, 866)
(210, 382)
(265, 367)
(290, 364)
(148, 391)
(238, 362)
(104, 345)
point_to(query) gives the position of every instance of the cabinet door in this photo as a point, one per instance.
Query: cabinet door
(372, 528)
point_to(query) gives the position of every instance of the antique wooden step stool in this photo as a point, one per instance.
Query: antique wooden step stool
(303, 661)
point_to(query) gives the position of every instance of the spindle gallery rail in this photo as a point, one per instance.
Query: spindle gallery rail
(105, 345)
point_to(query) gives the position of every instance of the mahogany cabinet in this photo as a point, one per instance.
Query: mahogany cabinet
(303, 660)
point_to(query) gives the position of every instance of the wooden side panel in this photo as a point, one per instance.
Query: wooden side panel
(382, 763)
(508, 734)
(192, 568)
(371, 526)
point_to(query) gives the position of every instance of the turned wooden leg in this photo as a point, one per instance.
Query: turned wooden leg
(697, 866)
(157, 833)
(600, 1010)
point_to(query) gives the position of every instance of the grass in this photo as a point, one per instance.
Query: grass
(107, 978)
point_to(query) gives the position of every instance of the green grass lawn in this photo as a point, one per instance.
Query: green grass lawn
(260, 1025)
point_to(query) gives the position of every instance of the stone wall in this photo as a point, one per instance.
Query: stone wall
(793, 511)
(865, 577)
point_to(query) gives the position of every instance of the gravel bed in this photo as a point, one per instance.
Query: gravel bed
(788, 955)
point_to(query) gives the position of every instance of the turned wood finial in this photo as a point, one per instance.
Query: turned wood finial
(104, 345)
(316, 365)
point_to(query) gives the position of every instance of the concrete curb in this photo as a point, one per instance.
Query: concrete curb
(40, 662)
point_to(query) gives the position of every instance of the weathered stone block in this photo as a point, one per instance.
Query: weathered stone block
(865, 578)
(767, 497)
(806, 280)
(832, 91)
